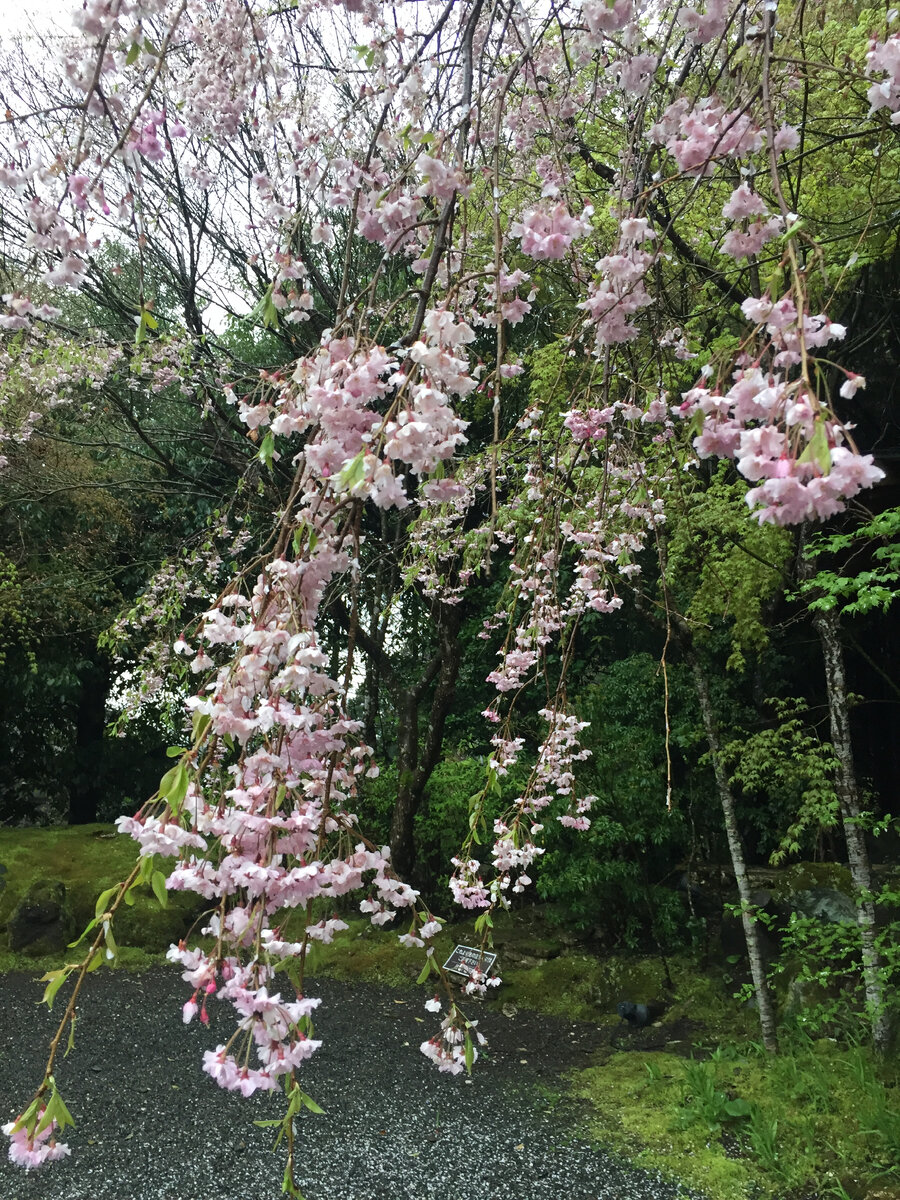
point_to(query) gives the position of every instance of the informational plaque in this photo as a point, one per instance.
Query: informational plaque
(466, 960)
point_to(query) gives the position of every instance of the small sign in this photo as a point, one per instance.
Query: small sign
(466, 960)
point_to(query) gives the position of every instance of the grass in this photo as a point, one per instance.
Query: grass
(818, 1117)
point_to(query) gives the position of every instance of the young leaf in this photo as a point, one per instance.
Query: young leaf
(87, 929)
(102, 904)
(158, 883)
(57, 979)
(70, 1044)
(267, 449)
(200, 723)
(96, 961)
(309, 1103)
(173, 786)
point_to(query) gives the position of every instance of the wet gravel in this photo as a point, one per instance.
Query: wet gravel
(152, 1126)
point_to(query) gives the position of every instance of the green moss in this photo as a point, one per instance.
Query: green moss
(88, 859)
(362, 953)
(633, 1113)
(801, 877)
(130, 958)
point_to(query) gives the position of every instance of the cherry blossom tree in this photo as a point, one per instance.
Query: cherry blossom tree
(420, 194)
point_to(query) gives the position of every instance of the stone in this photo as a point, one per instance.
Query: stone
(42, 921)
(825, 904)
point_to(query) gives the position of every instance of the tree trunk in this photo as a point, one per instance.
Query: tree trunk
(415, 769)
(90, 724)
(406, 804)
(826, 626)
(415, 761)
(748, 919)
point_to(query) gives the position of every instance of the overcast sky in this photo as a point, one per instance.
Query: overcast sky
(21, 15)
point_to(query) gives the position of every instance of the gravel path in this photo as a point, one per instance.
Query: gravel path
(152, 1126)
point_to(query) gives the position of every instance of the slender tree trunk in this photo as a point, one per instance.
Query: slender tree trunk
(827, 627)
(90, 723)
(372, 690)
(414, 765)
(406, 804)
(736, 849)
(417, 755)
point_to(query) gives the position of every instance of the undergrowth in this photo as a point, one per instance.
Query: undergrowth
(818, 1119)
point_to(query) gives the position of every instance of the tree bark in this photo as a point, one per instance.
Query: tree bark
(416, 756)
(736, 849)
(415, 769)
(826, 625)
(90, 724)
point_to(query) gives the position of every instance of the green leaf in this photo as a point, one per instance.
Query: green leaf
(146, 321)
(269, 312)
(102, 905)
(470, 1053)
(87, 929)
(132, 55)
(57, 979)
(309, 1103)
(158, 883)
(352, 473)
(267, 450)
(70, 1044)
(426, 971)
(288, 1187)
(173, 786)
(817, 450)
(48, 1117)
(199, 725)
(63, 1116)
(26, 1116)
(175, 751)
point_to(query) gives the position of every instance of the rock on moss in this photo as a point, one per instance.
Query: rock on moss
(42, 921)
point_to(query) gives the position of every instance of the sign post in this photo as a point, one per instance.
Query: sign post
(469, 962)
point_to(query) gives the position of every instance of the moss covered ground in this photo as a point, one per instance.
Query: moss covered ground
(693, 1095)
(88, 859)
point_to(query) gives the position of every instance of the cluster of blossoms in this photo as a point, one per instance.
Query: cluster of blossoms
(697, 134)
(774, 427)
(454, 1048)
(621, 292)
(884, 59)
(748, 206)
(335, 394)
(547, 235)
(34, 1149)
(478, 983)
(261, 844)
